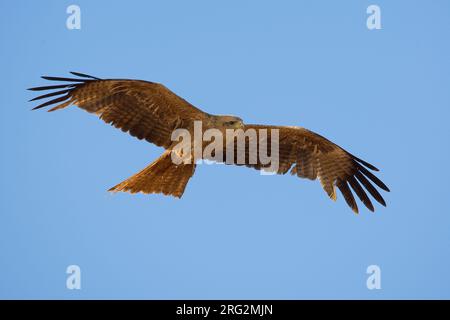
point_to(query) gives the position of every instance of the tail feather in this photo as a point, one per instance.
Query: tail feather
(161, 176)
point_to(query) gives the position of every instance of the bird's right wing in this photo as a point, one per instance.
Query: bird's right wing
(146, 110)
(309, 155)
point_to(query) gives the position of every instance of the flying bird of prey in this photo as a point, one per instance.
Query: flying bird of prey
(150, 111)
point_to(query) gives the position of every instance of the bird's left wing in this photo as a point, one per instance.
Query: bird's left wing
(146, 110)
(309, 155)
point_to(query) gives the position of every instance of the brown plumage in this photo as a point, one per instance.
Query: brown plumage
(150, 111)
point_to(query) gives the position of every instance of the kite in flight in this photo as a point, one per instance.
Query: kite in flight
(150, 111)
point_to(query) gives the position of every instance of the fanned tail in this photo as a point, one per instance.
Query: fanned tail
(161, 176)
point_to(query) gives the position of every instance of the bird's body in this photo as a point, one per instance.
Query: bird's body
(150, 111)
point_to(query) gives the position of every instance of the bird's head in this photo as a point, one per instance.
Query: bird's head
(229, 122)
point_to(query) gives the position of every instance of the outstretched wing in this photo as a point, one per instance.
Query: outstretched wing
(146, 110)
(309, 155)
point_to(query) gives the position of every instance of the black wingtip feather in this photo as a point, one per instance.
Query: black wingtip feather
(348, 195)
(63, 79)
(59, 86)
(83, 75)
(372, 177)
(361, 161)
(369, 187)
(51, 94)
(361, 193)
(59, 99)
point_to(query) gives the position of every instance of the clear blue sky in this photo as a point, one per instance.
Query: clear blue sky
(383, 94)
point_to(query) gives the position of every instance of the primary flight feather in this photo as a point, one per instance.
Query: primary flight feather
(150, 111)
